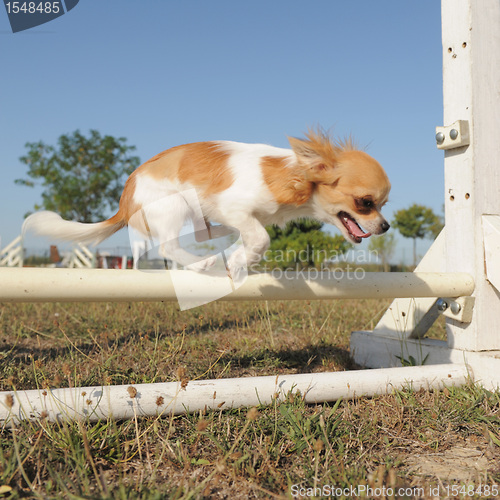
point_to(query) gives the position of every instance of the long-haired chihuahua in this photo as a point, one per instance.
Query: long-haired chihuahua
(244, 186)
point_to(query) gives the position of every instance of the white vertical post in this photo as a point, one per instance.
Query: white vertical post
(471, 83)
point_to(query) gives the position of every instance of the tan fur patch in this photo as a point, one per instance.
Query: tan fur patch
(127, 206)
(287, 184)
(205, 165)
(325, 145)
(164, 165)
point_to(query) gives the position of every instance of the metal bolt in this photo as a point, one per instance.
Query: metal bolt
(455, 307)
(453, 134)
(441, 305)
(440, 137)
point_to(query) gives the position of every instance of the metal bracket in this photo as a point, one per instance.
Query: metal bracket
(453, 136)
(459, 309)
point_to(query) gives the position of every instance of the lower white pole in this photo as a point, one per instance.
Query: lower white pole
(127, 401)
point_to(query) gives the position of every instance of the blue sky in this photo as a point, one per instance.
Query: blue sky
(164, 72)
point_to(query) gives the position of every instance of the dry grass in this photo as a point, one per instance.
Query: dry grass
(407, 439)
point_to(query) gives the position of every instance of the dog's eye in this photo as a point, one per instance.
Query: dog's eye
(364, 205)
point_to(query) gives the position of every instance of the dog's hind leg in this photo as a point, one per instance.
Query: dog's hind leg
(161, 222)
(165, 219)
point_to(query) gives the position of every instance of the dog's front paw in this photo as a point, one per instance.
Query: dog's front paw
(237, 266)
(203, 265)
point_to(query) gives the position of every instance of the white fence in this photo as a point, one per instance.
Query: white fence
(80, 257)
(12, 254)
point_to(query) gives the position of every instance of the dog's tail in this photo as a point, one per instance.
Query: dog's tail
(54, 226)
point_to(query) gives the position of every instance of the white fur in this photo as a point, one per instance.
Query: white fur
(47, 223)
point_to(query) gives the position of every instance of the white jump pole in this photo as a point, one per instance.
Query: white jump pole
(129, 401)
(122, 402)
(98, 285)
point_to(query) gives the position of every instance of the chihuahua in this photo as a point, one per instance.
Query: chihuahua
(243, 186)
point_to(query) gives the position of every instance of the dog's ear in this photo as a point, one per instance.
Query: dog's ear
(315, 166)
(321, 173)
(304, 150)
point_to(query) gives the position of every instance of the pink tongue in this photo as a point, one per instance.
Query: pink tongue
(355, 229)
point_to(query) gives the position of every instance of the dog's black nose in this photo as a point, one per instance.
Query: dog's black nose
(385, 226)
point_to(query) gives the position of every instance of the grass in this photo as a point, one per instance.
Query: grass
(406, 440)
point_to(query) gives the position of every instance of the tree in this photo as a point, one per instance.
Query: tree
(302, 244)
(82, 176)
(417, 221)
(384, 246)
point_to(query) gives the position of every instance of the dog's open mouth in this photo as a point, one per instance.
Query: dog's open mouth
(353, 228)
